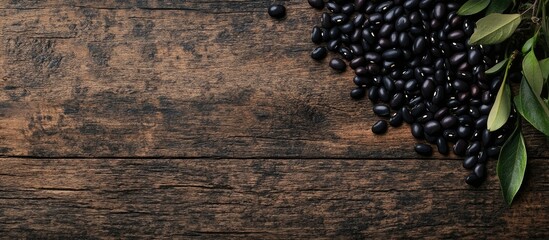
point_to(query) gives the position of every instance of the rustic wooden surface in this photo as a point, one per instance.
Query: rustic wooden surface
(207, 119)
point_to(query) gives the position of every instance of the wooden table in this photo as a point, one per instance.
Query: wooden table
(207, 119)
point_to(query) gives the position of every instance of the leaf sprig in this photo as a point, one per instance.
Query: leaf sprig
(501, 22)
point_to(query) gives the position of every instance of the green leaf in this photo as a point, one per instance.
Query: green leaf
(532, 72)
(498, 6)
(501, 109)
(512, 165)
(498, 67)
(544, 65)
(528, 44)
(473, 6)
(533, 108)
(495, 28)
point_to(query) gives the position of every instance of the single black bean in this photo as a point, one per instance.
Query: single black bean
(333, 7)
(464, 131)
(411, 4)
(473, 180)
(348, 8)
(432, 127)
(396, 119)
(346, 53)
(481, 122)
(318, 4)
(406, 115)
(384, 6)
(458, 58)
(486, 137)
(384, 95)
(474, 57)
(398, 100)
(418, 110)
(339, 18)
(347, 28)
(480, 170)
(460, 147)
(338, 64)
(493, 151)
(473, 149)
(392, 54)
(357, 62)
(333, 45)
(420, 45)
(380, 127)
(362, 81)
(402, 23)
(361, 71)
(483, 156)
(439, 12)
(438, 96)
(277, 11)
(449, 121)
(373, 93)
(442, 146)
(424, 149)
(326, 21)
(316, 35)
(376, 18)
(456, 35)
(428, 88)
(319, 53)
(382, 110)
(386, 30)
(358, 93)
(417, 130)
(450, 135)
(470, 162)
(441, 113)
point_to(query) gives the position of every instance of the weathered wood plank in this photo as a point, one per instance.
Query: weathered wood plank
(98, 198)
(178, 79)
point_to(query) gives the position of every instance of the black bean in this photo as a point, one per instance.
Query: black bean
(380, 127)
(277, 11)
(450, 135)
(424, 149)
(420, 45)
(316, 35)
(474, 57)
(402, 23)
(333, 45)
(326, 20)
(418, 110)
(470, 162)
(382, 110)
(439, 11)
(385, 30)
(384, 94)
(373, 68)
(338, 64)
(358, 93)
(392, 54)
(493, 151)
(482, 156)
(372, 57)
(318, 4)
(406, 115)
(460, 147)
(383, 6)
(473, 180)
(347, 28)
(480, 123)
(397, 101)
(442, 146)
(411, 85)
(486, 137)
(346, 53)
(373, 93)
(319, 53)
(449, 121)
(464, 132)
(417, 130)
(458, 58)
(438, 96)
(428, 88)
(333, 7)
(376, 18)
(359, 4)
(441, 113)
(480, 170)
(411, 4)
(432, 127)
(473, 149)
(348, 8)
(396, 119)
(456, 35)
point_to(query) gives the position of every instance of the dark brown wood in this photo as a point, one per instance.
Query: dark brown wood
(189, 79)
(208, 119)
(262, 198)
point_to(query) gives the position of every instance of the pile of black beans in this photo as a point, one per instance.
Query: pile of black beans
(412, 60)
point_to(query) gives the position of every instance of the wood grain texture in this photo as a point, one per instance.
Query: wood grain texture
(178, 79)
(283, 199)
(207, 119)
